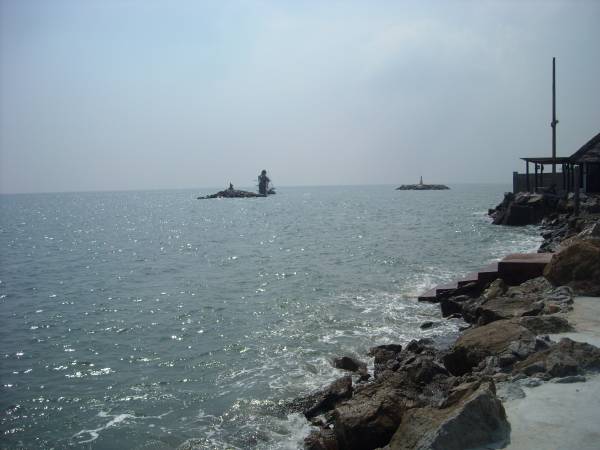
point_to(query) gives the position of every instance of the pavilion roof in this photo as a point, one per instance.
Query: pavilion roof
(589, 152)
(549, 160)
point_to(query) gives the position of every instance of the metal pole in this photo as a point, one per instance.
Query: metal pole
(577, 182)
(554, 121)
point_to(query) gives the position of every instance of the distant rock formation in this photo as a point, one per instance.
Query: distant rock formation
(422, 187)
(230, 192)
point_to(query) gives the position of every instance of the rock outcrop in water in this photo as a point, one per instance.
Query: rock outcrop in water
(523, 208)
(230, 192)
(422, 187)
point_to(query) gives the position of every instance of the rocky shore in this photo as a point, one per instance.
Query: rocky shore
(418, 396)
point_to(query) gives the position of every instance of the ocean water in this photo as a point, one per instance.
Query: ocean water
(138, 320)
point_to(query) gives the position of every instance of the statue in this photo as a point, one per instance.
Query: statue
(263, 183)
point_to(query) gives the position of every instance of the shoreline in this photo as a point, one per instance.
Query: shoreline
(424, 397)
(554, 415)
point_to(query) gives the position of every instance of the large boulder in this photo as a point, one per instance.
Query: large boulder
(324, 400)
(565, 358)
(419, 359)
(323, 439)
(456, 304)
(577, 266)
(350, 364)
(546, 324)
(558, 300)
(499, 301)
(521, 209)
(476, 419)
(502, 337)
(369, 419)
(384, 355)
(499, 308)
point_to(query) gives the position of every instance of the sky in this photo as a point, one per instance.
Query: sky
(145, 94)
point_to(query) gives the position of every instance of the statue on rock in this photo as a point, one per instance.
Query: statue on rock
(263, 183)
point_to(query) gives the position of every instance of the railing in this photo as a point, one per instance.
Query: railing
(561, 181)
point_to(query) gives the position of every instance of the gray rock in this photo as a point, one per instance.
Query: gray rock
(509, 391)
(192, 444)
(497, 288)
(546, 324)
(531, 382)
(369, 419)
(504, 307)
(429, 324)
(578, 266)
(521, 209)
(477, 419)
(323, 439)
(351, 364)
(562, 359)
(562, 294)
(478, 343)
(324, 400)
(385, 357)
(570, 379)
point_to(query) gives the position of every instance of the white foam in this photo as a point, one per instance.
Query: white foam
(116, 420)
(289, 433)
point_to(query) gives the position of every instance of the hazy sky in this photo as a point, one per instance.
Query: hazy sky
(112, 95)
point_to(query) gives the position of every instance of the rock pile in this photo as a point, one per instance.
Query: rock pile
(231, 193)
(423, 397)
(525, 208)
(422, 187)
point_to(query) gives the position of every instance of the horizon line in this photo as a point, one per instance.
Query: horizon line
(92, 191)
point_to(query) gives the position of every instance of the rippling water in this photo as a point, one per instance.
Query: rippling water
(142, 319)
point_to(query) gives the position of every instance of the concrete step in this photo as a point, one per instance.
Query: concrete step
(469, 278)
(429, 296)
(514, 269)
(446, 287)
(519, 267)
(488, 273)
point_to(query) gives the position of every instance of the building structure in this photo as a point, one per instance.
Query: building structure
(581, 168)
(580, 171)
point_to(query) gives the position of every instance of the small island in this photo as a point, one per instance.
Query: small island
(264, 189)
(231, 192)
(422, 187)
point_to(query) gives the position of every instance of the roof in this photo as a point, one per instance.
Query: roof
(589, 153)
(548, 160)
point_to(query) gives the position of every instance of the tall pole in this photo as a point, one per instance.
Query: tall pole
(554, 121)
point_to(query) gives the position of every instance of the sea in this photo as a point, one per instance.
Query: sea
(146, 320)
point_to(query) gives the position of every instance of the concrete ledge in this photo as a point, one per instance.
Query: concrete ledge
(517, 268)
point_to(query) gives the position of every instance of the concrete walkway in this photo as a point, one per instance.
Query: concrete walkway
(562, 416)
